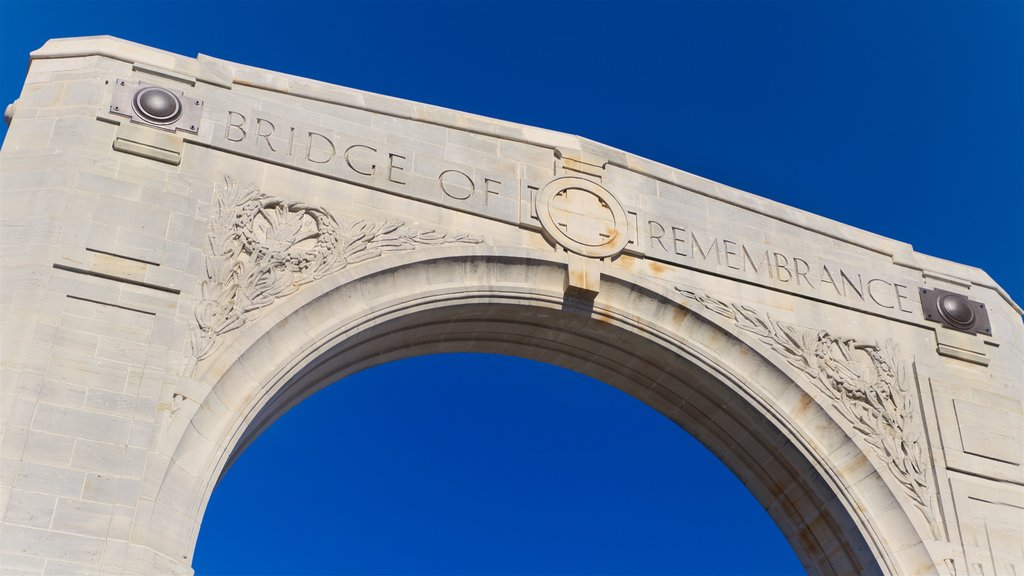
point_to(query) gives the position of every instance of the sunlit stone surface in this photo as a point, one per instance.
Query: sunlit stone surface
(181, 266)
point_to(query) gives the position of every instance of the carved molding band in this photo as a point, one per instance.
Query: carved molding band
(259, 248)
(863, 380)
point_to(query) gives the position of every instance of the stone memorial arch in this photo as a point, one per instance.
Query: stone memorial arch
(193, 246)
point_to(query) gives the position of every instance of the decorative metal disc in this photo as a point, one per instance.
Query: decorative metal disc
(157, 105)
(955, 311)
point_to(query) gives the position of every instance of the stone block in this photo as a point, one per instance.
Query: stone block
(58, 568)
(88, 371)
(109, 402)
(990, 432)
(30, 509)
(144, 219)
(83, 517)
(108, 186)
(100, 487)
(20, 565)
(49, 544)
(82, 92)
(99, 457)
(50, 479)
(81, 423)
(32, 134)
(45, 448)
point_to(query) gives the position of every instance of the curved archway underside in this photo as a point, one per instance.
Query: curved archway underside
(770, 464)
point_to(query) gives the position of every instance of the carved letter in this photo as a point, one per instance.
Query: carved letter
(394, 169)
(807, 268)
(858, 289)
(729, 252)
(309, 148)
(259, 134)
(488, 191)
(872, 293)
(676, 240)
(661, 232)
(764, 260)
(230, 125)
(348, 160)
(291, 140)
(826, 278)
(782, 266)
(900, 298)
(457, 192)
(704, 254)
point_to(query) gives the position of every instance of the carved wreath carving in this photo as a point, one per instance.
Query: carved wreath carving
(864, 381)
(259, 248)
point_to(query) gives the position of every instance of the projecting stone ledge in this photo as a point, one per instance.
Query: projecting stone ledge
(192, 246)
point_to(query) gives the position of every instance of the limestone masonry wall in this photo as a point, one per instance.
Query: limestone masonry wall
(192, 246)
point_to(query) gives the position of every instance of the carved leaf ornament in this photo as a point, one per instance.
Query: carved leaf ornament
(864, 382)
(259, 248)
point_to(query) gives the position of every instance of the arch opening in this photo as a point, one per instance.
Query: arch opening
(486, 464)
(711, 382)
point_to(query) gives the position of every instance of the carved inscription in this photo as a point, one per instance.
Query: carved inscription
(864, 382)
(260, 248)
(574, 219)
(391, 168)
(683, 244)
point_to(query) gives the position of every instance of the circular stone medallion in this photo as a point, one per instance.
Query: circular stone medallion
(583, 217)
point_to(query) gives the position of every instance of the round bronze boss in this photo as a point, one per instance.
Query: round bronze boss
(157, 105)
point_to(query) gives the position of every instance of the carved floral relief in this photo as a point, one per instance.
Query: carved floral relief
(866, 386)
(259, 248)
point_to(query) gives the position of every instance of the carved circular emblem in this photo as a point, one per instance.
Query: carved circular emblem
(583, 216)
(157, 105)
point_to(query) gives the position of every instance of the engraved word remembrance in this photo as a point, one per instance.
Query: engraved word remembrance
(679, 243)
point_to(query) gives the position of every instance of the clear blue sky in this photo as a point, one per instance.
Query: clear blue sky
(902, 118)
